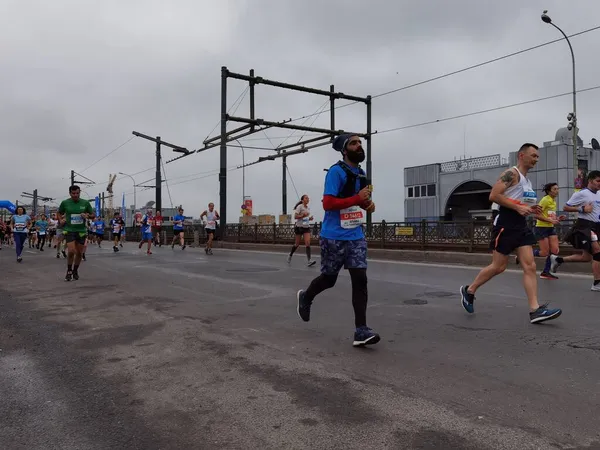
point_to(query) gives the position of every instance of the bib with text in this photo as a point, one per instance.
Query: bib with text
(352, 217)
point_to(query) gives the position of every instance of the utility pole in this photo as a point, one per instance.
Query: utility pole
(36, 198)
(74, 181)
(284, 184)
(158, 177)
(159, 142)
(35, 202)
(223, 152)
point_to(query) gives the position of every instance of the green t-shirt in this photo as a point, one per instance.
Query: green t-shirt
(72, 212)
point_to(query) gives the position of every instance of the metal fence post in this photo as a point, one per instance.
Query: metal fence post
(471, 235)
(423, 234)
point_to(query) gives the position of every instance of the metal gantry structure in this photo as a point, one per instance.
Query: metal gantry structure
(254, 125)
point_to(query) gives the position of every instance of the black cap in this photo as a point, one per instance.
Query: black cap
(339, 143)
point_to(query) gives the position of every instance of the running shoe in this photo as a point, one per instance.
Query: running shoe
(467, 299)
(303, 306)
(365, 336)
(543, 313)
(554, 264)
(548, 276)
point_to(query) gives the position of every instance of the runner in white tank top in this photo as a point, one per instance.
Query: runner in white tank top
(584, 234)
(517, 200)
(210, 227)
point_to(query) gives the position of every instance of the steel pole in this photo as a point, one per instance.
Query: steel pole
(574, 121)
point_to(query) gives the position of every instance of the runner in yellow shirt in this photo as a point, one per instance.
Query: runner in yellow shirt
(544, 229)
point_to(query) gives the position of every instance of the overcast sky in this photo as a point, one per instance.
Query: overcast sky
(78, 76)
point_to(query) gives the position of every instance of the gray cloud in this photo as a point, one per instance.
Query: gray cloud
(78, 77)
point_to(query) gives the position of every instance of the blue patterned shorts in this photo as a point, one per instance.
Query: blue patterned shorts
(336, 254)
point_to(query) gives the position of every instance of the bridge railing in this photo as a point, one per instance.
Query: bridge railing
(469, 236)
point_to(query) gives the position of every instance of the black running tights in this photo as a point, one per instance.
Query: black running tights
(359, 292)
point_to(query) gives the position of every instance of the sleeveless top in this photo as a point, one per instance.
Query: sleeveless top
(211, 220)
(520, 193)
(20, 223)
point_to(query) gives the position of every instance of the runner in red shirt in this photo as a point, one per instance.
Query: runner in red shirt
(157, 227)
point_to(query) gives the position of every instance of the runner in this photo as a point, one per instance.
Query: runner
(8, 233)
(302, 229)
(99, 230)
(117, 225)
(157, 228)
(342, 240)
(41, 226)
(61, 245)
(517, 200)
(211, 226)
(584, 233)
(32, 231)
(2, 233)
(178, 222)
(73, 213)
(147, 230)
(91, 232)
(52, 224)
(20, 224)
(544, 229)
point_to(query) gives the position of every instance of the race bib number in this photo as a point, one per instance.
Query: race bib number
(305, 222)
(117, 228)
(19, 226)
(76, 219)
(352, 217)
(551, 214)
(594, 236)
(42, 233)
(529, 198)
(211, 223)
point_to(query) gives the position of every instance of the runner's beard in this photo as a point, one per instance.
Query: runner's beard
(356, 156)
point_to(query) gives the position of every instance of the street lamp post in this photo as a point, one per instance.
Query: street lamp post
(572, 117)
(134, 192)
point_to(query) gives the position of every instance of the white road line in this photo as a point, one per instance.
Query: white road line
(419, 264)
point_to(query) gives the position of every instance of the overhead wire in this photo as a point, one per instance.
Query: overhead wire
(166, 182)
(292, 180)
(465, 69)
(318, 111)
(108, 154)
(483, 111)
(239, 99)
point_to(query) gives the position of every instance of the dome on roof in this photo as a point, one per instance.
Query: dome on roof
(565, 135)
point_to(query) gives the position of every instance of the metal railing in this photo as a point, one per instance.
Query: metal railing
(468, 236)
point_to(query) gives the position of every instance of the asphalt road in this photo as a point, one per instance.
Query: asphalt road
(180, 350)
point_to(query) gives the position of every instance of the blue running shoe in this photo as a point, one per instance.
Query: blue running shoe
(467, 299)
(544, 313)
(365, 336)
(303, 306)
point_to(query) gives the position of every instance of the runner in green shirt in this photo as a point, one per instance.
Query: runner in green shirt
(73, 213)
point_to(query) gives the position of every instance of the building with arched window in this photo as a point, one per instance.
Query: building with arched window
(460, 189)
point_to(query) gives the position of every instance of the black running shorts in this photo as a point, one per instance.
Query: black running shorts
(299, 231)
(507, 240)
(74, 236)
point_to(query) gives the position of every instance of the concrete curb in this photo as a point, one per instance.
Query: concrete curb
(441, 257)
